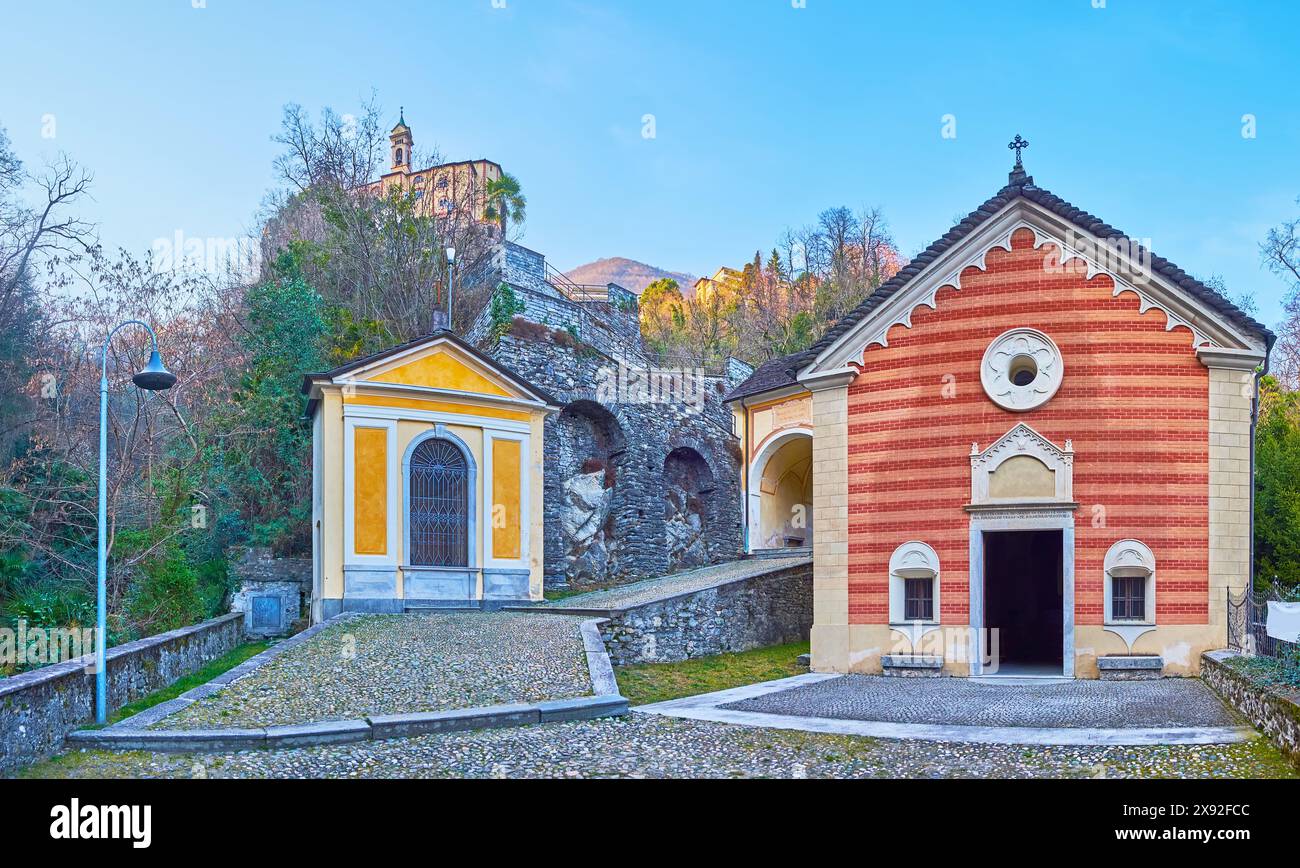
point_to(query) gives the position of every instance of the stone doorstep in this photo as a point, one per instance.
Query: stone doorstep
(1131, 662)
(911, 661)
(1130, 667)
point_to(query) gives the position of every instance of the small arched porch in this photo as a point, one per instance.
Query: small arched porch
(780, 493)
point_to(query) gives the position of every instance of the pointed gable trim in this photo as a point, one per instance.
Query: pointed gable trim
(353, 371)
(1130, 266)
(784, 372)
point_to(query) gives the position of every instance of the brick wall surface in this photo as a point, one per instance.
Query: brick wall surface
(1134, 399)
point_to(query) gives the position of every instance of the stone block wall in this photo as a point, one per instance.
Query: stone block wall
(1276, 713)
(1231, 397)
(39, 708)
(772, 609)
(612, 511)
(261, 574)
(591, 323)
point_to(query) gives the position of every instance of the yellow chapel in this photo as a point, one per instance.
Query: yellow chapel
(426, 481)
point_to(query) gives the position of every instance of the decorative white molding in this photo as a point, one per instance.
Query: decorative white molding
(1130, 558)
(1023, 440)
(999, 364)
(823, 380)
(1237, 360)
(1045, 517)
(1130, 633)
(354, 388)
(525, 499)
(1152, 290)
(912, 560)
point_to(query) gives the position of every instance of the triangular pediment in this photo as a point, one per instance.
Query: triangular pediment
(440, 363)
(1022, 465)
(442, 367)
(1209, 320)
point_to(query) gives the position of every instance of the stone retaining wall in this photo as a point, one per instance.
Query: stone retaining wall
(1276, 713)
(39, 708)
(771, 609)
(631, 518)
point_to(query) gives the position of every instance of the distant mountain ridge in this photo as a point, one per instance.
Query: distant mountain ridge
(627, 273)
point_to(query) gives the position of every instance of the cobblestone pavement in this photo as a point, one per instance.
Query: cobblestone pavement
(396, 664)
(653, 746)
(679, 583)
(1182, 702)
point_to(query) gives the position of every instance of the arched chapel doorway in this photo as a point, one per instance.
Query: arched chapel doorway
(781, 493)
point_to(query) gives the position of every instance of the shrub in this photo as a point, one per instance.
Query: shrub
(166, 594)
(51, 603)
(502, 311)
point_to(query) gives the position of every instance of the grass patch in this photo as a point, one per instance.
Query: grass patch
(564, 594)
(553, 595)
(221, 665)
(644, 683)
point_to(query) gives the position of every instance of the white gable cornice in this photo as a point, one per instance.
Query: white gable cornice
(379, 367)
(1207, 326)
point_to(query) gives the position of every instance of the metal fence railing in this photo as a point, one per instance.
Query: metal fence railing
(1247, 625)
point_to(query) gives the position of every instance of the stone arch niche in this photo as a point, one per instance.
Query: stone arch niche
(586, 453)
(780, 492)
(689, 508)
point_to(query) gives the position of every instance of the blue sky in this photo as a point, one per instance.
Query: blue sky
(765, 114)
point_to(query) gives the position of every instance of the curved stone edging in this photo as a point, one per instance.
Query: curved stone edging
(605, 701)
(708, 707)
(375, 728)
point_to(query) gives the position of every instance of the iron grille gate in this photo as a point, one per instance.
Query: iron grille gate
(439, 505)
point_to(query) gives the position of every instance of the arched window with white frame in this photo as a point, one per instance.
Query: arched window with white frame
(914, 584)
(1130, 577)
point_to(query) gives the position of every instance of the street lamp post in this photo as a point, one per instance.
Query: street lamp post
(451, 270)
(154, 377)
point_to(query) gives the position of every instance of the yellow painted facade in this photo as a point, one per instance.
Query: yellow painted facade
(506, 491)
(370, 502)
(372, 422)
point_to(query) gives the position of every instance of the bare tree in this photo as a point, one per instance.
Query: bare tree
(154, 438)
(31, 234)
(1281, 255)
(379, 254)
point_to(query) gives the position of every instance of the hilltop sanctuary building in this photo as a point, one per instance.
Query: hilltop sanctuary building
(1027, 453)
(426, 469)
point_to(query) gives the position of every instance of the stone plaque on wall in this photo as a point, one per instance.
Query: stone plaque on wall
(789, 413)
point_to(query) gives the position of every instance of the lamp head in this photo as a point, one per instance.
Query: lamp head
(154, 377)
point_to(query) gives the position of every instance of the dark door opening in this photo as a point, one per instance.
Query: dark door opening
(1023, 596)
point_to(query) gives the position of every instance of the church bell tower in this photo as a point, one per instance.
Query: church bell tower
(401, 142)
